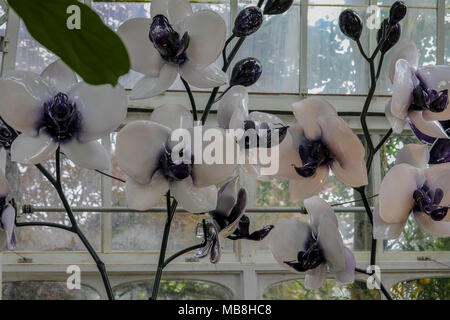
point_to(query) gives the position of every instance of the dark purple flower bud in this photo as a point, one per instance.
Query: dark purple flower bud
(248, 21)
(427, 201)
(392, 38)
(351, 24)
(246, 72)
(309, 259)
(439, 101)
(397, 12)
(277, 6)
(440, 152)
(167, 41)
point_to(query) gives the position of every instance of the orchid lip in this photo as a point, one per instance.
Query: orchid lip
(428, 99)
(61, 119)
(167, 41)
(313, 154)
(427, 200)
(175, 170)
(6, 136)
(309, 259)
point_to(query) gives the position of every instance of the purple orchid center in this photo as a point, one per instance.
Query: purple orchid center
(170, 45)
(175, 169)
(314, 154)
(309, 259)
(243, 231)
(262, 134)
(428, 99)
(61, 119)
(6, 136)
(426, 200)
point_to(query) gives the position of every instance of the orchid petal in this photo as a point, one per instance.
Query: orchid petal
(4, 185)
(425, 139)
(173, 116)
(178, 10)
(428, 115)
(139, 147)
(8, 218)
(317, 208)
(150, 86)
(227, 195)
(32, 150)
(303, 188)
(383, 230)
(347, 276)
(159, 7)
(23, 96)
(207, 31)
(396, 192)
(194, 200)
(208, 77)
(59, 76)
(439, 229)
(146, 196)
(355, 176)
(397, 124)
(408, 53)
(402, 93)
(290, 157)
(89, 155)
(415, 155)
(235, 99)
(315, 278)
(429, 128)
(236, 213)
(435, 77)
(143, 55)
(287, 239)
(308, 111)
(331, 243)
(103, 108)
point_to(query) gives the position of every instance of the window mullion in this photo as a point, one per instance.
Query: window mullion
(10, 41)
(106, 190)
(440, 52)
(304, 5)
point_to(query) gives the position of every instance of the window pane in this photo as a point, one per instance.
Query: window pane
(173, 290)
(422, 289)
(335, 65)
(32, 188)
(331, 290)
(45, 290)
(31, 55)
(447, 35)
(419, 26)
(277, 45)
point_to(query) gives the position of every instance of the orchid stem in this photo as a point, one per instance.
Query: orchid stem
(110, 176)
(191, 98)
(382, 288)
(171, 208)
(74, 228)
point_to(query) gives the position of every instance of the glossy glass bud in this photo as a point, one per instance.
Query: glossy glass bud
(393, 37)
(397, 12)
(351, 24)
(248, 21)
(246, 72)
(277, 6)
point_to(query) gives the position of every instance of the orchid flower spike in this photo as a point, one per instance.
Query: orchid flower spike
(313, 247)
(175, 40)
(233, 113)
(7, 214)
(228, 221)
(155, 161)
(54, 111)
(319, 142)
(412, 187)
(420, 96)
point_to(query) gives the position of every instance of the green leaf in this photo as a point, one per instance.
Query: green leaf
(94, 51)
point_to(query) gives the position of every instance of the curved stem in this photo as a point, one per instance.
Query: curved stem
(191, 98)
(171, 208)
(382, 288)
(74, 225)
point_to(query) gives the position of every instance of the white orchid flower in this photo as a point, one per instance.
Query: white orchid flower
(412, 187)
(53, 110)
(420, 96)
(154, 164)
(315, 247)
(174, 41)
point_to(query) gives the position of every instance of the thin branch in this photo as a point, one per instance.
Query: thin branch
(111, 176)
(191, 98)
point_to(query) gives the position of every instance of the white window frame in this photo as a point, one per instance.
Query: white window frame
(247, 272)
